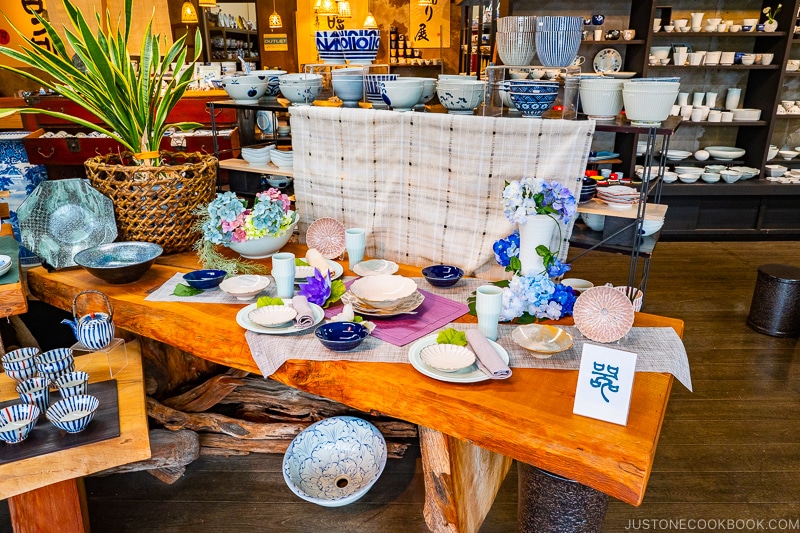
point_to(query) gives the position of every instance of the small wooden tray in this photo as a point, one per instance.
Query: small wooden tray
(46, 438)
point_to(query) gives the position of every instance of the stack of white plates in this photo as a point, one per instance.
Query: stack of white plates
(282, 159)
(257, 156)
(383, 295)
(618, 196)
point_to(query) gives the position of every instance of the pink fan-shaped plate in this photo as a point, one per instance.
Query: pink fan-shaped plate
(601, 315)
(326, 235)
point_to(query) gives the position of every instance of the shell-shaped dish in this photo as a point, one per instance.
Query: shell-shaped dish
(543, 340)
(244, 287)
(326, 235)
(603, 314)
(272, 316)
(303, 272)
(447, 357)
(384, 290)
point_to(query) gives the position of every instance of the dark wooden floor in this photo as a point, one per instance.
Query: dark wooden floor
(728, 451)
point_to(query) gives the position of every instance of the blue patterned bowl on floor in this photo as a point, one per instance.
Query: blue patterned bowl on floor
(73, 414)
(335, 461)
(533, 105)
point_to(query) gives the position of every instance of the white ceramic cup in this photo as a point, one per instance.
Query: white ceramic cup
(355, 240)
(680, 58)
(697, 99)
(727, 116)
(283, 272)
(676, 111)
(695, 59)
(697, 114)
(686, 111)
(713, 57)
(715, 115)
(766, 59)
(726, 58)
(488, 304)
(598, 35)
(711, 99)
(683, 99)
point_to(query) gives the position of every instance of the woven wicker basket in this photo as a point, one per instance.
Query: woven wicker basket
(155, 204)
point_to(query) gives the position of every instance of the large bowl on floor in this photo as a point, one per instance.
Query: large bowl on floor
(335, 461)
(119, 262)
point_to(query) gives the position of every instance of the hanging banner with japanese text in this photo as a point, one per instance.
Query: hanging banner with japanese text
(430, 25)
(20, 14)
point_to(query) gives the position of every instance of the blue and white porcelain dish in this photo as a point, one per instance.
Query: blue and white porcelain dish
(17, 421)
(335, 461)
(73, 414)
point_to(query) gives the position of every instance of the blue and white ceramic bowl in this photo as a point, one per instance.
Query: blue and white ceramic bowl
(360, 46)
(244, 89)
(533, 105)
(73, 384)
(204, 279)
(335, 461)
(460, 97)
(401, 95)
(17, 421)
(559, 23)
(272, 77)
(74, 413)
(20, 359)
(35, 391)
(329, 47)
(442, 275)
(350, 89)
(531, 86)
(557, 48)
(372, 83)
(302, 88)
(341, 336)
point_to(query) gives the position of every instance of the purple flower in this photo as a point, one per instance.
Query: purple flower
(317, 288)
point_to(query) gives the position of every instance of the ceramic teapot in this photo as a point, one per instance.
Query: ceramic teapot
(94, 330)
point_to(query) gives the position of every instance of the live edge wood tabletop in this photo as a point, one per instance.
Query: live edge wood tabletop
(527, 417)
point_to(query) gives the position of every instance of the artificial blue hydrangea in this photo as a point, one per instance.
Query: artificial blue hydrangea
(505, 249)
(537, 296)
(268, 216)
(557, 268)
(533, 196)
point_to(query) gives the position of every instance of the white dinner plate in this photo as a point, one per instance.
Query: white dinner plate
(246, 323)
(336, 272)
(471, 374)
(621, 75)
(607, 60)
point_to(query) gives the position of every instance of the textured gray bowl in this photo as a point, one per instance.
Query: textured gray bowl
(119, 262)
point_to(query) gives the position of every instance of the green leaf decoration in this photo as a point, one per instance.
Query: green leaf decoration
(185, 290)
(337, 290)
(268, 300)
(452, 336)
(300, 262)
(357, 319)
(514, 265)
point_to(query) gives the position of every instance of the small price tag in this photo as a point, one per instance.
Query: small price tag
(605, 383)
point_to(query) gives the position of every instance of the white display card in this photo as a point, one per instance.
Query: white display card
(605, 383)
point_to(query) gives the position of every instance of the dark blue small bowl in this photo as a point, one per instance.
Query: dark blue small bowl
(341, 336)
(204, 279)
(442, 275)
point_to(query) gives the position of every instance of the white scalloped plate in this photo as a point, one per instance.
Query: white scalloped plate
(246, 323)
(447, 357)
(272, 316)
(470, 374)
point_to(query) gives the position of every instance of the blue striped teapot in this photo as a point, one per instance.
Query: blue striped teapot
(94, 330)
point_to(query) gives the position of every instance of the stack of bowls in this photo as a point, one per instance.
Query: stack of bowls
(588, 188)
(601, 98)
(558, 39)
(244, 89)
(257, 156)
(459, 96)
(329, 47)
(373, 85)
(348, 85)
(301, 89)
(401, 94)
(428, 89)
(282, 158)
(532, 97)
(272, 77)
(55, 363)
(20, 364)
(360, 46)
(648, 103)
(516, 40)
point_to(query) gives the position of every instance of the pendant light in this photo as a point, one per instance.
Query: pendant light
(188, 13)
(424, 2)
(327, 8)
(316, 6)
(345, 11)
(275, 19)
(207, 3)
(370, 22)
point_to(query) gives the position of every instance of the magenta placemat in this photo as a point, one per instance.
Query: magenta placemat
(436, 311)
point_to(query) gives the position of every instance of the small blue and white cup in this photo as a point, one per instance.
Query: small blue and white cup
(35, 391)
(73, 384)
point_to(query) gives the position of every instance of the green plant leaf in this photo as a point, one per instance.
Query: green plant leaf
(357, 319)
(185, 290)
(268, 300)
(452, 336)
(300, 262)
(337, 290)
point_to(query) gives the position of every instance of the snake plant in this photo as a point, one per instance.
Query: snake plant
(132, 105)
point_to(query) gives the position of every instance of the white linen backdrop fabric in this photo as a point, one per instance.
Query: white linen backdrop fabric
(428, 187)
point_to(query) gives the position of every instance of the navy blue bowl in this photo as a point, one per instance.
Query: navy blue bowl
(442, 275)
(204, 279)
(341, 336)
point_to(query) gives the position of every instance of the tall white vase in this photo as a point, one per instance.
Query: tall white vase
(537, 230)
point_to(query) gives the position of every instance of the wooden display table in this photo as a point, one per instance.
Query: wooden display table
(474, 429)
(45, 492)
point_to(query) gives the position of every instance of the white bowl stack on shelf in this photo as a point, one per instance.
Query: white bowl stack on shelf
(258, 156)
(516, 40)
(618, 197)
(282, 158)
(648, 101)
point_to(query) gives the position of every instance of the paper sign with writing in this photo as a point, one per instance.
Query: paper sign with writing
(276, 42)
(605, 383)
(430, 25)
